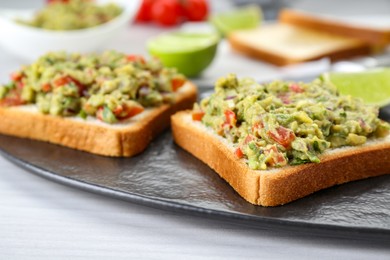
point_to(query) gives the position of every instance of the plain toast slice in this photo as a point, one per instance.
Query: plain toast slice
(375, 35)
(284, 44)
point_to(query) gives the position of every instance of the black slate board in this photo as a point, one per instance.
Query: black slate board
(165, 176)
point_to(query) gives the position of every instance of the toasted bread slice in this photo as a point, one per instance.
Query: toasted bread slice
(370, 34)
(125, 138)
(278, 186)
(284, 44)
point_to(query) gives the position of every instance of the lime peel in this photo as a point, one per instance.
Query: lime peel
(190, 53)
(247, 17)
(373, 86)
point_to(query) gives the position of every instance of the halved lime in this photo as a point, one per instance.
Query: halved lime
(190, 53)
(247, 17)
(373, 86)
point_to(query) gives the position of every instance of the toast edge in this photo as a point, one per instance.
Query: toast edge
(369, 35)
(217, 155)
(280, 60)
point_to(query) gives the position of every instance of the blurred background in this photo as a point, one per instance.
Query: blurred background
(226, 60)
(270, 7)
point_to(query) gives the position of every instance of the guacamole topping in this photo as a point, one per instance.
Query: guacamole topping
(111, 87)
(73, 15)
(286, 123)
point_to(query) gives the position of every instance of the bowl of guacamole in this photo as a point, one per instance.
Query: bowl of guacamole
(72, 15)
(74, 26)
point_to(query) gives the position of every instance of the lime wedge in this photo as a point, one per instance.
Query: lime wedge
(190, 53)
(373, 86)
(247, 17)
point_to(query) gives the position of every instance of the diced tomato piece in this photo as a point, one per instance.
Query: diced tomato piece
(231, 118)
(130, 111)
(62, 81)
(133, 57)
(197, 115)
(282, 136)
(99, 113)
(296, 88)
(238, 152)
(46, 87)
(257, 125)
(13, 98)
(11, 101)
(249, 138)
(177, 83)
(285, 98)
(133, 111)
(19, 85)
(277, 160)
(16, 76)
(118, 110)
(81, 87)
(277, 157)
(66, 80)
(124, 112)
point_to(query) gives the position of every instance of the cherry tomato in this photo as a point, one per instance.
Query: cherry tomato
(167, 12)
(195, 10)
(145, 11)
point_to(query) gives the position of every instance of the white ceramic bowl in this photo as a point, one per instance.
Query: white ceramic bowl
(29, 43)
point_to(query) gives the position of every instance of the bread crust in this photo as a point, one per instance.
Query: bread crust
(371, 35)
(255, 43)
(126, 140)
(281, 185)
